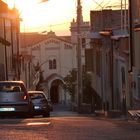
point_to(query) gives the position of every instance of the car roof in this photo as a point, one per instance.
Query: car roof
(11, 82)
(35, 91)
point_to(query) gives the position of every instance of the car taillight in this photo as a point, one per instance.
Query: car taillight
(25, 97)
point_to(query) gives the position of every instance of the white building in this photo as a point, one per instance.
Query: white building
(55, 57)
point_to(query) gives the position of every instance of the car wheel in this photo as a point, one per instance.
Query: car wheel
(46, 114)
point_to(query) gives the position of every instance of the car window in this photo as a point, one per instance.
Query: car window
(36, 96)
(11, 87)
(16, 89)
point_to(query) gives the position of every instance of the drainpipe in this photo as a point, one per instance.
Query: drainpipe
(131, 36)
(18, 56)
(5, 52)
(112, 74)
(12, 48)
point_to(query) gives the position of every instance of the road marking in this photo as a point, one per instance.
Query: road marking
(39, 123)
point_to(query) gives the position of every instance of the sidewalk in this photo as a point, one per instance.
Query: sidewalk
(62, 110)
(119, 117)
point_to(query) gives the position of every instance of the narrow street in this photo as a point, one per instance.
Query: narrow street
(66, 125)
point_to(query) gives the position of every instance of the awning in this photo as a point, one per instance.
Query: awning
(4, 41)
(117, 37)
(117, 34)
(137, 27)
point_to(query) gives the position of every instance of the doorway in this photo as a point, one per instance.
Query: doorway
(54, 91)
(54, 94)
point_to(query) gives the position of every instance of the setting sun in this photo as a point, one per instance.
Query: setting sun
(53, 15)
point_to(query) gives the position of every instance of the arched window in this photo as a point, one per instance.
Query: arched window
(50, 64)
(54, 63)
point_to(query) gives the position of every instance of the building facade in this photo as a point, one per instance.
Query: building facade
(135, 51)
(109, 68)
(54, 58)
(9, 46)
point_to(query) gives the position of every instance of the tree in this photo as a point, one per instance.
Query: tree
(87, 88)
(70, 85)
(41, 78)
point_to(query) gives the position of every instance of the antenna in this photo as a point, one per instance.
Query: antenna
(101, 4)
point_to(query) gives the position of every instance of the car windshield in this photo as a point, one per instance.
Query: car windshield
(11, 87)
(37, 96)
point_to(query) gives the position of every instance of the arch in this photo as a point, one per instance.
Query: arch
(54, 82)
(53, 77)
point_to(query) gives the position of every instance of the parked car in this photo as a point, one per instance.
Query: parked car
(41, 103)
(14, 99)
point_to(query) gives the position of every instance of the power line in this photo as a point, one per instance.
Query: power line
(45, 26)
(98, 4)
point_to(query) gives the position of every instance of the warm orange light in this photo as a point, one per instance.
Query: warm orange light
(48, 15)
(52, 14)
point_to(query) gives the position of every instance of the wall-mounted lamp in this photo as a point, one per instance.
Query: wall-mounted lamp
(137, 27)
(105, 33)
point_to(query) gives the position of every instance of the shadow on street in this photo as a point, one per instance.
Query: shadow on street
(62, 110)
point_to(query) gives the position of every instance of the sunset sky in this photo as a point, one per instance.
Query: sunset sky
(54, 15)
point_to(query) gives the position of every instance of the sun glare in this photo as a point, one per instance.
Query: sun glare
(35, 14)
(52, 14)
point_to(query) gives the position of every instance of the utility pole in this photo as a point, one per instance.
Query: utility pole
(79, 73)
